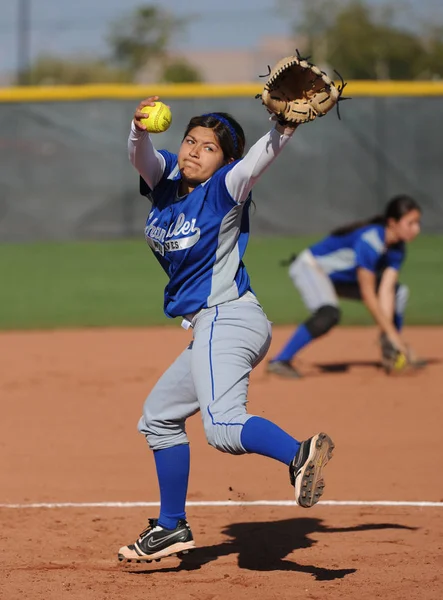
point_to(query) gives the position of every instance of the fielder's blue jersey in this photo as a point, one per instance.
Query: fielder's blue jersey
(199, 240)
(341, 255)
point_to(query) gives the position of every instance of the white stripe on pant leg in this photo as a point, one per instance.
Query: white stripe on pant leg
(401, 299)
(221, 364)
(315, 287)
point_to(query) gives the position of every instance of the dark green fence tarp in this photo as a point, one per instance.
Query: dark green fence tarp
(65, 175)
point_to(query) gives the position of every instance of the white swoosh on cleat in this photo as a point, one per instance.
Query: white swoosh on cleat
(154, 544)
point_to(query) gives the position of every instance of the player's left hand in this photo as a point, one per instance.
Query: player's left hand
(398, 362)
(297, 91)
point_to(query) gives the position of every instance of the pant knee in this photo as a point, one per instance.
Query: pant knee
(161, 434)
(323, 320)
(225, 436)
(149, 422)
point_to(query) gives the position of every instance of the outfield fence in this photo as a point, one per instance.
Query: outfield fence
(64, 172)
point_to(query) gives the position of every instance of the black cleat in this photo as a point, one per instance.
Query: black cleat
(156, 543)
(283, 368)
(305, 471)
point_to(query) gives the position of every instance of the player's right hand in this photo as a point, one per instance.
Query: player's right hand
(138, 115)
(394, 353)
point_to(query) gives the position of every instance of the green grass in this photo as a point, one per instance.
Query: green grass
(49, 285)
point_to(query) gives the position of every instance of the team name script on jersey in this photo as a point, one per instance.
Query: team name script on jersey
(181, 235)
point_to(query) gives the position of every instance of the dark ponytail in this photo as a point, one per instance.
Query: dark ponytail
(350, 227)
(397, 207)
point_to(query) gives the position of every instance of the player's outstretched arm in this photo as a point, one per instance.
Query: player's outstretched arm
(296, 92)
(284, 129)
(366, 282)
(386, 291)
(241, 178)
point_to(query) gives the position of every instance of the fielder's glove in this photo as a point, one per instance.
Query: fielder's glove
(297, 91)
(396, 362)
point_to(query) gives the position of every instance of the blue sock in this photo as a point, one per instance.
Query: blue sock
(300, 338)
(398, 321)
(172, 472)
(260, 436)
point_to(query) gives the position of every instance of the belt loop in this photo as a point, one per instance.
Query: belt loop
(186, 324)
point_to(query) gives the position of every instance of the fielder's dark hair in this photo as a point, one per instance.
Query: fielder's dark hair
(229, 132)
(396, 208)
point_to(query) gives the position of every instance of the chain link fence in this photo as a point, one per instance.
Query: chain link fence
(65, 175)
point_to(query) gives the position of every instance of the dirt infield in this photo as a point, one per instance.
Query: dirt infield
(70, 404)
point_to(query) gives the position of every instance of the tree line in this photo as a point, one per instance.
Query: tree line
(366, 40)
(360, 39)
(135, 43)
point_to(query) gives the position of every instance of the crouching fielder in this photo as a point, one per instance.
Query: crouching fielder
(360, 261)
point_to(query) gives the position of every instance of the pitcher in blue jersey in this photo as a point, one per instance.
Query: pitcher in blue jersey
(360, 261)
(198, 230)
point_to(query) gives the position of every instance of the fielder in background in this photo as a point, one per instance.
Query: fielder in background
(360, 261)
(198, 230)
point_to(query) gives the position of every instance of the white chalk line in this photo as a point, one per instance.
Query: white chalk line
(227, 504)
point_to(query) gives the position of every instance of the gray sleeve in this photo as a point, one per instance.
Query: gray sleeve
(241, 178)
(145, 158)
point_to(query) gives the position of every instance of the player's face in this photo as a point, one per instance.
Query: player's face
(408, 227)
(200, 155)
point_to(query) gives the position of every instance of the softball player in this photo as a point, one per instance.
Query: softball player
(198, 230)
(360, 261)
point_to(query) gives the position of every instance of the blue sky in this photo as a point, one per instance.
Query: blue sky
(63, 28)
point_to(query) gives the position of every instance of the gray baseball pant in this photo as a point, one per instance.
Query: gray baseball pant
(210, 376)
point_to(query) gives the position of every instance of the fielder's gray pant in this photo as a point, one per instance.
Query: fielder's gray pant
(317, 289)
(211, 375)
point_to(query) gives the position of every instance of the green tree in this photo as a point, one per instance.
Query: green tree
(51, 70)
(142, 37)
(180, 71)
(365, 41)
(434, 45)
(311, 20)
(366, 49)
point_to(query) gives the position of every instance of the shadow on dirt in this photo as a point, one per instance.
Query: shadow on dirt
(264, 546)
(343, 367)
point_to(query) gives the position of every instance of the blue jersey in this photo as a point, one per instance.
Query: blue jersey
(199, 240)
(341, 255)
